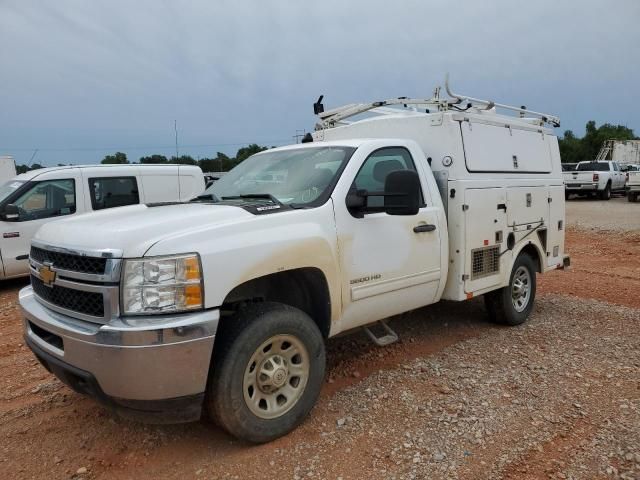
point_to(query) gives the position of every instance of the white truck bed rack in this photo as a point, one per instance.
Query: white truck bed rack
(338, 116)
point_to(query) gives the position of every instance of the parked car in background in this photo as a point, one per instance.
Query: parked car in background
(34, 198)
(594, 178)
(633, 184)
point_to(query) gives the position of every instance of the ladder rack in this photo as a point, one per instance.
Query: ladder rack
(606, 151)
(336, 116)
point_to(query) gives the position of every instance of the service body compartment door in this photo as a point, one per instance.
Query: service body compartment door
(485, 236)
(491, 148)
(527, 205)
(555, 232)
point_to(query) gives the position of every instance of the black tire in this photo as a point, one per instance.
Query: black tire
(500, 303)
(566, 195)
(240, 340)
(631, 197)
(606, 193)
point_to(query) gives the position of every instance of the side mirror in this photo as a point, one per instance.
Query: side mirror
(356, 202)
(402, 193)
(10, 213)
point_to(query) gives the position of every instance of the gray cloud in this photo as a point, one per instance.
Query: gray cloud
(77, 76)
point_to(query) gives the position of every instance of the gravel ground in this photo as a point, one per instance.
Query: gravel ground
(616, 214)
(457, 397)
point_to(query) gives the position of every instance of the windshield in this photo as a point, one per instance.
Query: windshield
(8, 188)
(593, 166)
(298, 176)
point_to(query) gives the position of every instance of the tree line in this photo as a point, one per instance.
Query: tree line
(220, 163)
(574, 149)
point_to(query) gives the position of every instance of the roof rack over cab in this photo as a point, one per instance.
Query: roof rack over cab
(337, 116)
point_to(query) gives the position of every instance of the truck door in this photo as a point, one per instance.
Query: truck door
(618, 181)
(387, 267)
(43, 202)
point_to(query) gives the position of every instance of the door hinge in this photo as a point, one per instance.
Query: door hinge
(465, 208)
(465, 277)
(549, 200)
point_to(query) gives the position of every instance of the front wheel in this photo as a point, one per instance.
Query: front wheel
(511, 305)
(268, 368)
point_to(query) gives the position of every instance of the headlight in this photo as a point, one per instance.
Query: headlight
(162, 285)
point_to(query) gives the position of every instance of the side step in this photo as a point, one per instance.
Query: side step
(383, 341)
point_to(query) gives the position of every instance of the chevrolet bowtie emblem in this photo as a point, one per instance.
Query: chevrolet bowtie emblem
(47, 275)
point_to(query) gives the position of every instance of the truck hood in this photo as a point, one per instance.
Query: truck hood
(135, 229)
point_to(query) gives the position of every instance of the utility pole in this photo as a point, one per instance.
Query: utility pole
(175, 128)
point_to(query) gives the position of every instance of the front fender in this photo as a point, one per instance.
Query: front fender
(236, 253)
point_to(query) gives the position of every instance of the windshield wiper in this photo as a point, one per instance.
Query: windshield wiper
(266, 196)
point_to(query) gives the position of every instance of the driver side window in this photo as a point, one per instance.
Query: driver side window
(373, 173)
(49, 198)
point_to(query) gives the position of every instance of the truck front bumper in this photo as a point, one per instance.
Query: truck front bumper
(632, 188)
(152, 369)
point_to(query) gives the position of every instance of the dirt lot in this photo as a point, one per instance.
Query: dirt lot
(458, 397)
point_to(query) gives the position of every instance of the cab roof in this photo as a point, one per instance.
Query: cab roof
(30, 175)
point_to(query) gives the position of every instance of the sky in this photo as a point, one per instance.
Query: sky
(80, 80)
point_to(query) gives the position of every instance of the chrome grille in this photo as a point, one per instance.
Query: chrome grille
(68, 261)
(88, 303)
(79, 283)
(485, 262)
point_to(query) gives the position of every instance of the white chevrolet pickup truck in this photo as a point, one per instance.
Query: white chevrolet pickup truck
(594, 178)
(224, 303)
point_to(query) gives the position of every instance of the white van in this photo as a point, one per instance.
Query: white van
(34, 198)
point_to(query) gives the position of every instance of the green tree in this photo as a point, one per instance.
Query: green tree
(183, 160)
(25, 168)
(154, 159)
(574, 149)
(247, 151)
(118, 158)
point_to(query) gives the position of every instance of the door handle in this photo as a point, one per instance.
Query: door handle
(426, 227)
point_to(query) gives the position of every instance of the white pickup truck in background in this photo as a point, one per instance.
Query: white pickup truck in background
(225, 303)
(633, 184)
(32, 199)
(594, 178)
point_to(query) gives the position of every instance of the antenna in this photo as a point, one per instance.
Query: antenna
(32, 157)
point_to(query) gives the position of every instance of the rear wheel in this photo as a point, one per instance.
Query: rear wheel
(268, 367)
(606, 193)
(631, 197)
(511, 305)
(566, 195)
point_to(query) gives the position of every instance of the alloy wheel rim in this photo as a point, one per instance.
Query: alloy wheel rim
(521, 289)
(276, 376)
